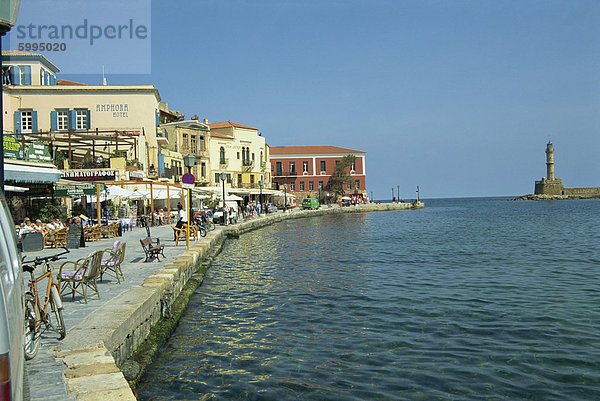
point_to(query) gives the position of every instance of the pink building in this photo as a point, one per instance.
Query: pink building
(306, 169)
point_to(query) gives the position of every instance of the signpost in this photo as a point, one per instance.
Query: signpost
(187, 181)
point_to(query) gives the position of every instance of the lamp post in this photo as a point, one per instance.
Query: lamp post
(392, 194)
(285, 197)
(260, 184)
(398, 193)
(189, 161)
(8, 19)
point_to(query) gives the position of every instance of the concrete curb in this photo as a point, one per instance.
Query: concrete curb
(95, 348)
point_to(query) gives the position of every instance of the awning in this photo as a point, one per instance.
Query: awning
(29, 173)
(12, 188)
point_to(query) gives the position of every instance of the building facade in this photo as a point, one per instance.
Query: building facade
(240, 152)
(306, 170)
(180, 138)
(87, 127)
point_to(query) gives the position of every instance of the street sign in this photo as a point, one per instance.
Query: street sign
(188, 178)
(187, 186)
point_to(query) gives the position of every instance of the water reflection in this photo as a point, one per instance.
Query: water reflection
(448, 302)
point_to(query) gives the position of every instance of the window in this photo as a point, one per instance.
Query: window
(62, 118)
(292, 168)
(251, 178)
(305, 167)
(301, 185)
(81, 121)
(203, 169)
(321, 185)
(322, 165)
(292, 186)
(22, 75)
(238, 155)
(353, 167)
(193, 144)
(239, 180)
(261, 157)
(337, 162)
(311, 185)
(217, 178)
(26, 121)
(222, 155)
(201, 143)
(184, 143)
(278, 168)
(357, 184)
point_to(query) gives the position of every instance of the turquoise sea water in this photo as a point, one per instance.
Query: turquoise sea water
(467, 299)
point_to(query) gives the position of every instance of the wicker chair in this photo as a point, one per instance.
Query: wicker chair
(82, 278)
(111, 261)
(60, 237)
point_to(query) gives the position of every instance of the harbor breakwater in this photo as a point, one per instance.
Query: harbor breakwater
(97, 351)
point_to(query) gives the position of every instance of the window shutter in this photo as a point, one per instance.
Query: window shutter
(34, 121)
(14, 72)
(53, 121)
(52, 80)
(72, 119)
(87, 126)
(17, 122)
(157, 118)
(27, 74)
(41, 76)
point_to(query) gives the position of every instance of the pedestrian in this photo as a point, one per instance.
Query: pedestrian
(181, 218)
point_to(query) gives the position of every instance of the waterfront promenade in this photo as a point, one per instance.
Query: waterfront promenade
(103, 333)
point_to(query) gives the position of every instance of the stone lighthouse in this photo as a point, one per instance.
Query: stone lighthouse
(550, 161)
(550, 185)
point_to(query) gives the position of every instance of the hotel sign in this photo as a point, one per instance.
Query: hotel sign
(74, 191)
(118, 110)
(90, 175)
(37, 151)
(12, 147)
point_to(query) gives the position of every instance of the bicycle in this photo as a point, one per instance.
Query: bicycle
(37, 317)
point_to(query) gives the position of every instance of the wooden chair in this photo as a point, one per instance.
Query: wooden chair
(180, 234)
(114, 227)
(50, 239)
(111, 261)
(60, 237)
(89, 233)
(82, 278)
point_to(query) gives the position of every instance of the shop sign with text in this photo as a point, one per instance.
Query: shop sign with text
(12, 147)
(37, 151)
(90, 175)
(75, 190)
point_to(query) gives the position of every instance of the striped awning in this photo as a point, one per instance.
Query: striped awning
(29, 173)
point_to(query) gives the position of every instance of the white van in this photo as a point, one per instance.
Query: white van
(11, 310)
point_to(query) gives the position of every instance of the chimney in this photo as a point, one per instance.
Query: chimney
(205, 121)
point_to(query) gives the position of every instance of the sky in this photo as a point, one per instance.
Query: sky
(459, 97)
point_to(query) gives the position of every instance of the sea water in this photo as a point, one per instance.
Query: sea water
(466, 299)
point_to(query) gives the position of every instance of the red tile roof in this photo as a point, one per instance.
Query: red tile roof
(311, 150)
(227, 124)
(65, 82)
(217, 135)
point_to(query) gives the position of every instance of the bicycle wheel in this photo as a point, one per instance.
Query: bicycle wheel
(210, 225)
(31, 342)
(202, 231)
(55, 318)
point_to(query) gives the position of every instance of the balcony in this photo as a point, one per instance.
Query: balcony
(285, 174)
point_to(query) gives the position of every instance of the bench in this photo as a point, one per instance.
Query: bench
(152, 250)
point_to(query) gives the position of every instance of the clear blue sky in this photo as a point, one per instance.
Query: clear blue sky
(459, 97)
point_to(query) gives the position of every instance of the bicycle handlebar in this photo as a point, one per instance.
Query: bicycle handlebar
(42, 259)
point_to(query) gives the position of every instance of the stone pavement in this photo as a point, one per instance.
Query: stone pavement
(44, 374)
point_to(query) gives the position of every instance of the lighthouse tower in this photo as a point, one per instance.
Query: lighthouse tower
(550, 185)
(550, 161)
